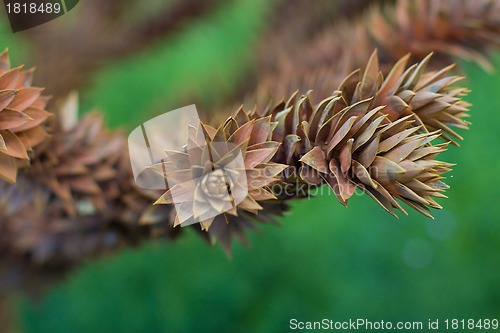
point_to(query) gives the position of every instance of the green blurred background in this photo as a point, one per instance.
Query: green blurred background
(324, 261)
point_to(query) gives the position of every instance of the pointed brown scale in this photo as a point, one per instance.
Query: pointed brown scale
(220, 135)
(250, 205)
(450, 120)
(406, 95)
(432, 203)
(345, 155)
(368, 133)
(385, 171)
(324, 131)
(395, 139)
(316, 159)
(459, 108)
(273, 169)
(394, 78)
(10, 79)
(261, 130)
(416, 73)
(38, 117)
(24, 98)
(320, 113)
(233, 152)
(348, 85)
(307, 107)
(6, 97)
(262, 145)
(393, 127)
(346, 187)
(422, 209)
(437, 86)
(303, 131)
(259, 156)
(362, 174)
(340, 134)
(432, 109)
(230, 126)
(426, 151)
(448, 133)
(396, 107)
(365, 121)
(333, 184)
(243, 133)
(367, 154)
(3, 145)
(450, 99)
(385, 193)
(400, 152)
(419, 186)
(401, 191)
(290, 146)
(356, 110)
(369, 79)
(13, 119)
(412, 170)
(13, 145)
(241, 117)
(380, 200)
(280, 131)
(292, 99)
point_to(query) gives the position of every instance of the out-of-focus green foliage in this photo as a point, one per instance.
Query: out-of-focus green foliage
(326, 261)
(203, 61)
(17, 46)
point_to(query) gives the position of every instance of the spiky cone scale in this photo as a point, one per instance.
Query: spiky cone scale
(431, 98)
(22, 117)
(201, 176)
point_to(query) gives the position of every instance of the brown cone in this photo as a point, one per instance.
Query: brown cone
(22, 114)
